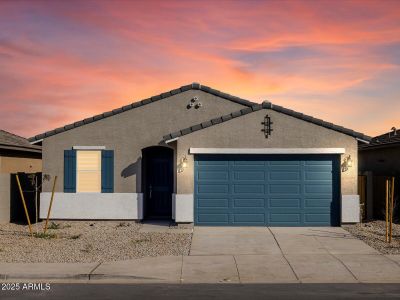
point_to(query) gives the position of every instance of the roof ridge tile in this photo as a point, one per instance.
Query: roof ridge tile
(184, 88)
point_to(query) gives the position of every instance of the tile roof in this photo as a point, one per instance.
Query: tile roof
(387, 139)
(14, 142)
(251, 106)
(193, 86)
(266, 105)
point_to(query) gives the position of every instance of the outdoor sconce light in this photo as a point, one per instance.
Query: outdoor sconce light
(347, 163)
(182, 164)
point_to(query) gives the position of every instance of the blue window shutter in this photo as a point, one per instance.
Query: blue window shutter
(69, 171)
(107, 171)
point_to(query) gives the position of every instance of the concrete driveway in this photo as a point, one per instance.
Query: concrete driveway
(277, 254)
(239, 255)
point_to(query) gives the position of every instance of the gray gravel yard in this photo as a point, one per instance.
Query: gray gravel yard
(373, 233)
(83, 241)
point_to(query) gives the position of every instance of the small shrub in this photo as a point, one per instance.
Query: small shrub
(46, 236)
(88, 248)
(67, 226)
(123, 224)
(139, 241)
(54, 225)
(75, 237)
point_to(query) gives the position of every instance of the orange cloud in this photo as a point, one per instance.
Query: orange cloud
(61, 62)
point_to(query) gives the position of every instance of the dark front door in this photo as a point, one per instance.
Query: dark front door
(158, 182)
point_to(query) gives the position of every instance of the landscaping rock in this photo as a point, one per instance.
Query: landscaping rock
(81, 241)
(374, 234)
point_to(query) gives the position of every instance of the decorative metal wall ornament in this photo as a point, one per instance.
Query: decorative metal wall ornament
(194, 102)
(267, 126)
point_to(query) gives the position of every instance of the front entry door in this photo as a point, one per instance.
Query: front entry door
(158, 182)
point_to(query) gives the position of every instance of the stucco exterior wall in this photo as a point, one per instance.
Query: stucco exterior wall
(9, 164)
(131, 131)
(245, 132)
(383, 161)
(4, 198)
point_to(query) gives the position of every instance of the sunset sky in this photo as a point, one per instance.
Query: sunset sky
(62, 61)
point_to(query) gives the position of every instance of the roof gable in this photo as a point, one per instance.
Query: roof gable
(266, 105)
(193, 86)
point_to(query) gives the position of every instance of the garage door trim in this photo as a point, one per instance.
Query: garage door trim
(266, 150)
(268, 164)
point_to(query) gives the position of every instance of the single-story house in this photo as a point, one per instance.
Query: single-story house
(16, 155)
(379, 160)
(195, 154)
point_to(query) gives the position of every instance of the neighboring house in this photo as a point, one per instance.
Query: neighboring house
(195, 154)
(16, 155)
(377, 161)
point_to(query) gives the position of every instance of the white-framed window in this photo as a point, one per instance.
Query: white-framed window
(88, 171)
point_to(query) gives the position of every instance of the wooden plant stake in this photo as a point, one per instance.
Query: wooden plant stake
(51, 203)
(387, 210)
(391, 209)
(24, 204)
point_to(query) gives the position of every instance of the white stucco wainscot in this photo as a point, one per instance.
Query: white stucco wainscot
(350, 208)
(183, 208)
(104, 206)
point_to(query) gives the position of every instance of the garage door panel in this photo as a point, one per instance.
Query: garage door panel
(284, 218)
(213, 175)
(286, 162)
(284, 189)
(317, 203)
(317, 218)
(318, 162)
(213, 202)
(249, 162)
(248, 202)
(318, 176)
(249, 175)
(274, 190)
(279, 175)
(256, 218)
(321, 188)
(285, 202)
(213, 218)
(248, 189)
(212, 161)
(213, 188)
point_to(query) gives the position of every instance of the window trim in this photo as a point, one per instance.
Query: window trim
(89, 147)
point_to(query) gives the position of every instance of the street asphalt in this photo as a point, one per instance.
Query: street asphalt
(210, 291)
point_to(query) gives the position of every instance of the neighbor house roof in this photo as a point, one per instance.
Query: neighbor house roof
(10, 141)
(193, 86)
(391, 138)
(266, 105)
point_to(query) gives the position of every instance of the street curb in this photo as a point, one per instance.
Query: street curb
(46, 276)
(105, 276)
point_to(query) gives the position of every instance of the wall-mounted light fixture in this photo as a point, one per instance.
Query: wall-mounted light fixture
(347, 163)
(183, 163)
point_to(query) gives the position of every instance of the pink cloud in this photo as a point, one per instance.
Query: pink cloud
(61, 62)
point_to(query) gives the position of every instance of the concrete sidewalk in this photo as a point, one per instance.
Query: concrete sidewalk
(262, 268)
(238, 255)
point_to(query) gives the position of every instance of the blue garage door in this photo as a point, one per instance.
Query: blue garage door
(272, 190)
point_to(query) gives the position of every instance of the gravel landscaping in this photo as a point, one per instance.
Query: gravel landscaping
(374, 234)
(82, 241)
